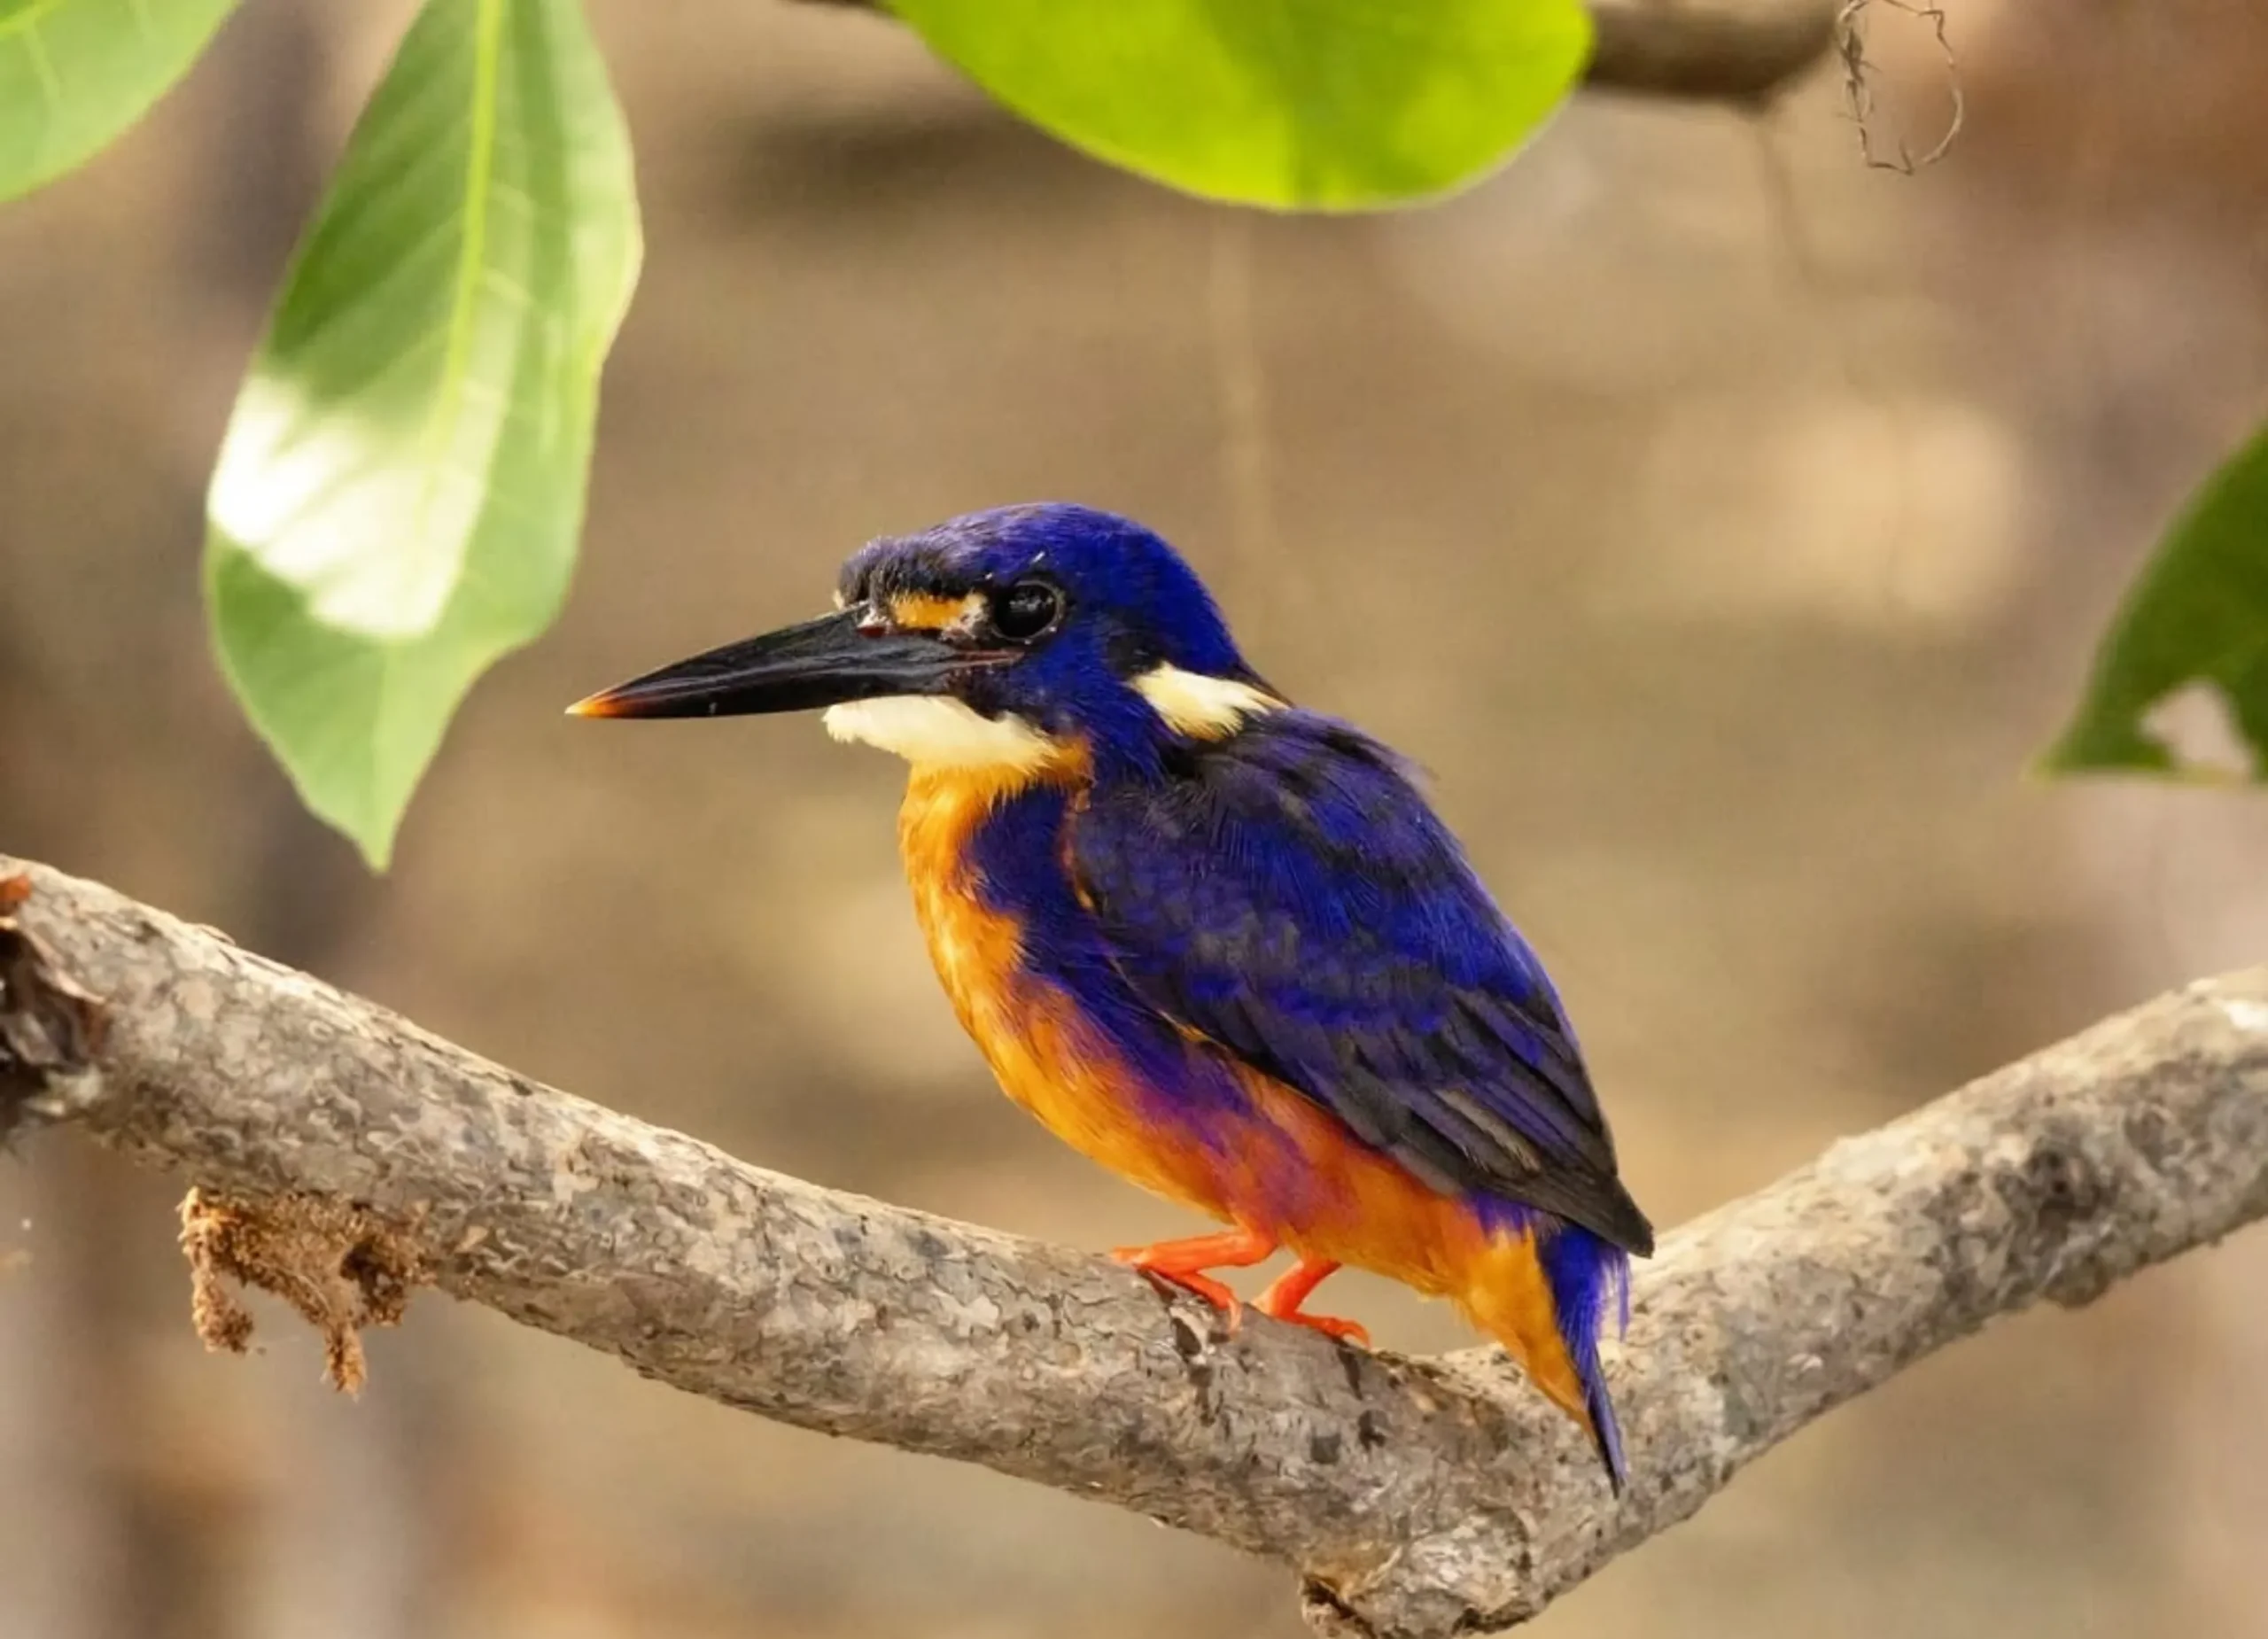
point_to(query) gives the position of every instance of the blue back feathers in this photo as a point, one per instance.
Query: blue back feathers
(1286, 893)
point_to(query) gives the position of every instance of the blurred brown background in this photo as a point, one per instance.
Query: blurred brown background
(1722, 521)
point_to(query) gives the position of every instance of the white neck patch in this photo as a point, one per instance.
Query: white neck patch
(937, 732)
(1205, 707)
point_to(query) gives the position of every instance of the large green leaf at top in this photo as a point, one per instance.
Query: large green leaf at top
(400, 490)
(2199, 616)
(74, 73)
(1306, 104)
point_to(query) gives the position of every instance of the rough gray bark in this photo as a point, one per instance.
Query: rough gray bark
(1726, 50)
(1418, 1499)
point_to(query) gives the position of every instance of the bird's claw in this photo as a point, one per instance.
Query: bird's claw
(1288, 1291)
(1168, 1280)
(1337, 1329)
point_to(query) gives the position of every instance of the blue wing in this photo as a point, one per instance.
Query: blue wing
(1288, 894)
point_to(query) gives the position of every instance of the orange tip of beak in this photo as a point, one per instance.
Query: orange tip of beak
(593, 705)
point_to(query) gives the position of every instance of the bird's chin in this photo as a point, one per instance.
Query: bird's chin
(937, 732)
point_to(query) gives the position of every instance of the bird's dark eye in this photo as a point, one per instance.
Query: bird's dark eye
(1025, 611)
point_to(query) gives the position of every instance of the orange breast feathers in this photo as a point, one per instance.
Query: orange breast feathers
(1045, 1055)
(1272, 1161)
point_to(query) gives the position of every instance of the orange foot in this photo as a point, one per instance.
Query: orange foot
(1184, 1263)
(1283, 1296)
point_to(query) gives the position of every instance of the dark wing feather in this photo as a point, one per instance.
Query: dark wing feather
(1288, 894)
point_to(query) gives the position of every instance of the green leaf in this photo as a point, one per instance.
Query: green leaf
(74, 73)
(2199, 614)
(400, 490)
(1311, 105)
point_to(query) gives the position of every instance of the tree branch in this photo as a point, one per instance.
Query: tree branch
(1418, 1499)
(1723, 51)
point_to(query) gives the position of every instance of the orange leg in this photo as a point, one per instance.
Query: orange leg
(1289, 1290)
(1184, 1263)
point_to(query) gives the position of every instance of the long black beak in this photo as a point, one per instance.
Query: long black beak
(847, 655)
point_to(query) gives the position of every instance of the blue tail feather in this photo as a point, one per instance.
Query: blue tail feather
(1585, 1270)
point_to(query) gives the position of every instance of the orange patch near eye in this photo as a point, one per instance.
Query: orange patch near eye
(923, 611)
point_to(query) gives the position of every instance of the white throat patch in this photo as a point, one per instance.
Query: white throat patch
(1205, 707)
(935, 731)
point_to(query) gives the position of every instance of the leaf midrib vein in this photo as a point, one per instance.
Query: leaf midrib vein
(480, 158)
(28, 19)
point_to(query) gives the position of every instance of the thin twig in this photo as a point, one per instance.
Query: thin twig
(1859, 74)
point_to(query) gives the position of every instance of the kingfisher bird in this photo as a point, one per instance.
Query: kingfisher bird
(1215, 941)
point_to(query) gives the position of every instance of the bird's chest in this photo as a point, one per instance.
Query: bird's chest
(976, 946)
(986, 872)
